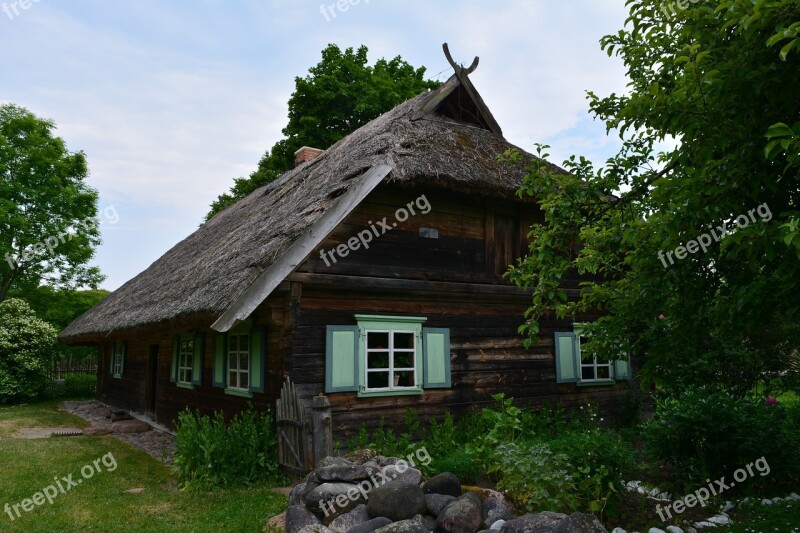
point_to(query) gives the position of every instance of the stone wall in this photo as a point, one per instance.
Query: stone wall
(365, 492)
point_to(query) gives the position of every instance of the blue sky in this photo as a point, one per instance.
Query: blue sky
(172, 100)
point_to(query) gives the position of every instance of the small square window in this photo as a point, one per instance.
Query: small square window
(391, 360)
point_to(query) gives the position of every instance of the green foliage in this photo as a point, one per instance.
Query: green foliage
(598, 461)
(210, 453)
(27, 348)
(543, 460)
(719, 78)
(76, 386)
(443, 440)
(44, 199)
(59, 307)
(533, 477)
(503, 425)
(594, 460)
(339, 95)
(708, 433)
(462, 465)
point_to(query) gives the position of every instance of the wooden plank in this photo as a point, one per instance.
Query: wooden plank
(436, 97)
(489, 236)
(378, 283)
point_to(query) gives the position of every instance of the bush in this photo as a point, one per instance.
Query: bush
(708, 433)
(598, 461)
(443, 440)
(210, 453)
(80, 385)
(533, 477)
(27, 347)
(464, 467)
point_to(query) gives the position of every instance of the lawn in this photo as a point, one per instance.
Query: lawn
(103, 499)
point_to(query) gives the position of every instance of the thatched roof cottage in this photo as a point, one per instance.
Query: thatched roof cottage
(371, 273)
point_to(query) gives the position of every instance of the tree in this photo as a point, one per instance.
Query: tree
(61, 307)
(692, 252)
(48, 226)
(339, 95)
(27, 347)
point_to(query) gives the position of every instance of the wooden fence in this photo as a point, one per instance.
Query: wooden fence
(60, 369)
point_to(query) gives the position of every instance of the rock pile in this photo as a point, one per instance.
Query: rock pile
(365, 492)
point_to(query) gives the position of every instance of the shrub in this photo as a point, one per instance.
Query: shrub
(80, 385)
(598, 462)
(210, 453)
(463, 466)
(27, 347)
(709, 433)
(533, 477)
(443, 440)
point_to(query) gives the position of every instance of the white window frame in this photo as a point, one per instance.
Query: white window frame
(117, 359)
(238, 371)
(185, 361)
(593, 364)
(391, 351)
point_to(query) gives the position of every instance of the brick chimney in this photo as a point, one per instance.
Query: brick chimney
(306, 153)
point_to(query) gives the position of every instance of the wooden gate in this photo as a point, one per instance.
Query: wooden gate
(291, 431)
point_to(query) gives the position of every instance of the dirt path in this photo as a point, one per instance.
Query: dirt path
(158, 444)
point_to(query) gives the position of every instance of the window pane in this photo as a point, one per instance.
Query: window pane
(377, 340)
(587, 372)
(377, 380)
(188, 375)
(232, 361)
(244, 342)
(244, 381)
(603, 372)
(233, 343)
(403, 340)
(232, 382)
(378, 360)
(243, 361)
(404, 360)
(404, 379)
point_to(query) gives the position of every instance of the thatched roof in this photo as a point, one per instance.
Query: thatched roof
(444, 145)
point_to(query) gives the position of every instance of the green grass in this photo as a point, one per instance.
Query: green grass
(44, 414)
(100, 502)
(787, 398)
(784, 517)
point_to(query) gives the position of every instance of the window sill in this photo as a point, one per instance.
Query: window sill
(599, 382)
(405, 392)
(116, 376)
(188, 386)
(240, 393)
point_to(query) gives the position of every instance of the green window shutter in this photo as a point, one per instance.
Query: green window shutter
(258, 349)
(123, 348)
(176, 350)
(436, 358)
(341, 359)
(622, 369)
(220, 341)
(197, 360)
(567, 363)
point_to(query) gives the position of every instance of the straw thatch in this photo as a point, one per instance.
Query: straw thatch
(207, 271)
